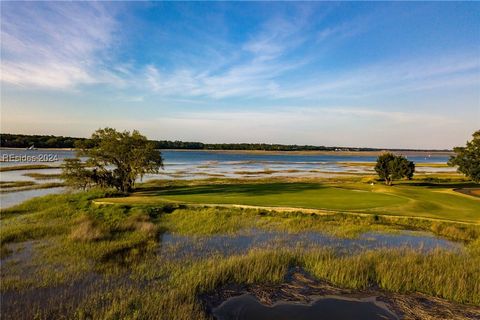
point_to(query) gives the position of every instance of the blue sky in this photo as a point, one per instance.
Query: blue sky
(324, 73)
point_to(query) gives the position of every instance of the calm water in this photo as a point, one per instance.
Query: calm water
(12, 198)
(173, 157)
(22, 175)
(247, 307)
(180, 246)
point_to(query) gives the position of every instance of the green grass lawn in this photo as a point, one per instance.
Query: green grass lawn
(407, 199)
(434, 201)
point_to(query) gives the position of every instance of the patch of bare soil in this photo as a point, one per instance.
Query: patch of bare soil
(475, 192)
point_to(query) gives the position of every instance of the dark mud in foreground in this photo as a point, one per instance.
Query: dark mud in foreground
(301, 296)
(248, 307)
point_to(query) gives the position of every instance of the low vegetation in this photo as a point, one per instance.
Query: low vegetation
(28, 167)
(103, 261)
(88, 229)
(15, 186)
(42, 176)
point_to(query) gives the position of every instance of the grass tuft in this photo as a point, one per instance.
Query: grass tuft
(87, 229)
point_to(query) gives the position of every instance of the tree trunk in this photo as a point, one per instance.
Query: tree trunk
(388, 181)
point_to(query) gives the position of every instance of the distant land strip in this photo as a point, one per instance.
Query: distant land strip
(8, 140)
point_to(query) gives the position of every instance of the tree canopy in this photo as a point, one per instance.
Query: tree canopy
(113, 159)
(467, 158)
(390, 167)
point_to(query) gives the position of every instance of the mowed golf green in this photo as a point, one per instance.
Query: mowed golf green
(438, 202)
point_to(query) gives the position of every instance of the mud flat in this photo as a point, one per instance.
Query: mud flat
(303, 297)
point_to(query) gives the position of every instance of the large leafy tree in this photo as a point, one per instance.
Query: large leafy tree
(390, 167)
(467, 158)
(113, 159)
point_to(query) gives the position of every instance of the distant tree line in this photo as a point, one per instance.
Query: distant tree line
(50, 141)
(239, 146)
(39, 141)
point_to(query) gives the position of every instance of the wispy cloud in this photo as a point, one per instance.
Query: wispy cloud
(262, 78)
(392, 77)
(251, 71)
(256, 66)
(55, 45)
(267, 62)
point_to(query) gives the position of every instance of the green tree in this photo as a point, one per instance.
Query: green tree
(467, 158)
(76, 175)
(113, 159)
(390, 167)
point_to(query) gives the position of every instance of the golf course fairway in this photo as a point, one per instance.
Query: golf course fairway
(436, 201)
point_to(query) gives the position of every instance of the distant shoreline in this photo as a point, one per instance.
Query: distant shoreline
(320, 152)
(303, 152)
(37, 149)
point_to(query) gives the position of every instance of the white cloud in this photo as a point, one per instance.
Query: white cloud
(248, 69)
(55, 44)
(251, 79)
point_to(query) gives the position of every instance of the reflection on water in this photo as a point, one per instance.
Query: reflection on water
(18, 253)
(201, 246)
(179, 246)
(12, 198)
(22, 175)
(326, 308)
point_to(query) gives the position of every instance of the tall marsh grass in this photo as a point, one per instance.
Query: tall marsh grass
(447, 275)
